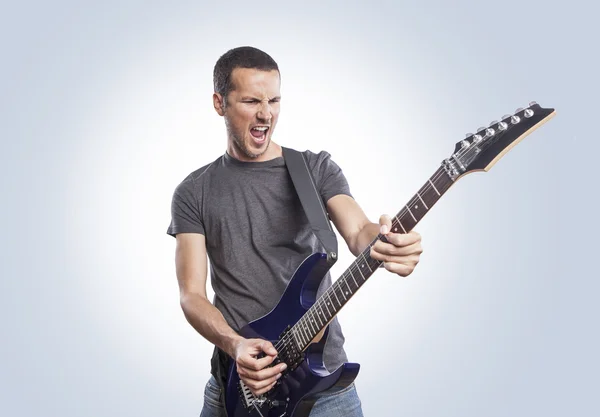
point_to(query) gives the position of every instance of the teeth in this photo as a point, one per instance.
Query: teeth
(261, 128)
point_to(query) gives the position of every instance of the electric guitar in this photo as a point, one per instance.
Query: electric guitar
(296, 322)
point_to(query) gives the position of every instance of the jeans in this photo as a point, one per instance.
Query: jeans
(343, 403)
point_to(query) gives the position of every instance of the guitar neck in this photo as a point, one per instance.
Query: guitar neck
(328, 305)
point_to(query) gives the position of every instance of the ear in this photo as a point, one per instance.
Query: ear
(219, 104)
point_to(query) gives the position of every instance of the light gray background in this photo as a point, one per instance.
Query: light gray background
(105, 107)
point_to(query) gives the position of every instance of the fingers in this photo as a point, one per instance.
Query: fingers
(262, 374)
(399, 245)
(400, 254)
(252, 363)
(259, 391)
(268, 348)
(386, 223)
(263, 379)
(386, 251)
(403, 239)
(256, 372)
(401, 269)
(251, 349)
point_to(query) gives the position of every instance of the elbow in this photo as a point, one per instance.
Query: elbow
(188, 301)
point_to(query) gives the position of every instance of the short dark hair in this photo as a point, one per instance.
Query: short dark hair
(241, 57)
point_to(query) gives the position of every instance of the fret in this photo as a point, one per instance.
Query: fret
(321, 315)
(407, 222)
(436, 190)
(329, 311)
(302, 337)
(418, 210)
(336, 297)
(347, 285)
(295, 337)
(319, 321)
(339, 285)
(323, 312)
(367, 261)
(400, 223)
(304, 330)
(421, 198)
(374, 263)
(413, 216)
(352, 275)
(361, 274)
(310, 322)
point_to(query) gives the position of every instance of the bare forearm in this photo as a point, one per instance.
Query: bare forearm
(366, 235)
(209, 322)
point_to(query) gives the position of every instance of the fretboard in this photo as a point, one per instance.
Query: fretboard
(335, 297)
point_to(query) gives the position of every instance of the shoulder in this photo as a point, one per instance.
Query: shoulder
(193, 182)
(320, 161)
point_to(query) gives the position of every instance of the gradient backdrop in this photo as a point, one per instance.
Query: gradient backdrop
(105, 107)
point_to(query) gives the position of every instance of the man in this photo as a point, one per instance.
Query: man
(243, 212)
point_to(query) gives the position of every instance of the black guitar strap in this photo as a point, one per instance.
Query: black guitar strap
(311, 201)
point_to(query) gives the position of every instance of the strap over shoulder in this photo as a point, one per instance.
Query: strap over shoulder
(312, 202)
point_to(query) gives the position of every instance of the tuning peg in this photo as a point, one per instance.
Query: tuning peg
(528, 113)
(520, 109)
(465, 143)
(489, 131)
(533, 103)
(468, 135)
(502, 126)
(477, 138)
(506, 116)
(480, 129)
(493, 122)
(515, 119)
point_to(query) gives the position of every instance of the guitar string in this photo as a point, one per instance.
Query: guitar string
(461, 152)
(309, 315)
(352, 274)
(428, 187)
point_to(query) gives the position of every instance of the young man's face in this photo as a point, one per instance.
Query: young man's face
(250, 112)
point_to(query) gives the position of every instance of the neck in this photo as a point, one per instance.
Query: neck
(273, 151)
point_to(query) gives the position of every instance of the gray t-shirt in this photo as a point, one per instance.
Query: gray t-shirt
(256, 232)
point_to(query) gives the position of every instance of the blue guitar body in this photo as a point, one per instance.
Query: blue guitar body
(297, 390)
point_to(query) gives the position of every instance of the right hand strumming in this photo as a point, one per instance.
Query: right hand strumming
(254, 372)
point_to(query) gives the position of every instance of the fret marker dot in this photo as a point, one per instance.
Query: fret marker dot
(416, 207)
(395, 229)
(346, 292)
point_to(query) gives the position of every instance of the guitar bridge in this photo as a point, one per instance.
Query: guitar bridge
(249, 400)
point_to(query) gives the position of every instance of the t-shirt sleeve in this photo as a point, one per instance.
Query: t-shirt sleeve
(186, 213)
(329, 177)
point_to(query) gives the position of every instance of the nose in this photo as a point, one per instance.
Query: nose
(264, 112)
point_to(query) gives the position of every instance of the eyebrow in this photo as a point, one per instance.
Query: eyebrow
(255, 98)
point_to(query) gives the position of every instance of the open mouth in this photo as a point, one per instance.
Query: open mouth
(259, 133)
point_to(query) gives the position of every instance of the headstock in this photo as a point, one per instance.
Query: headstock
(480, 151)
